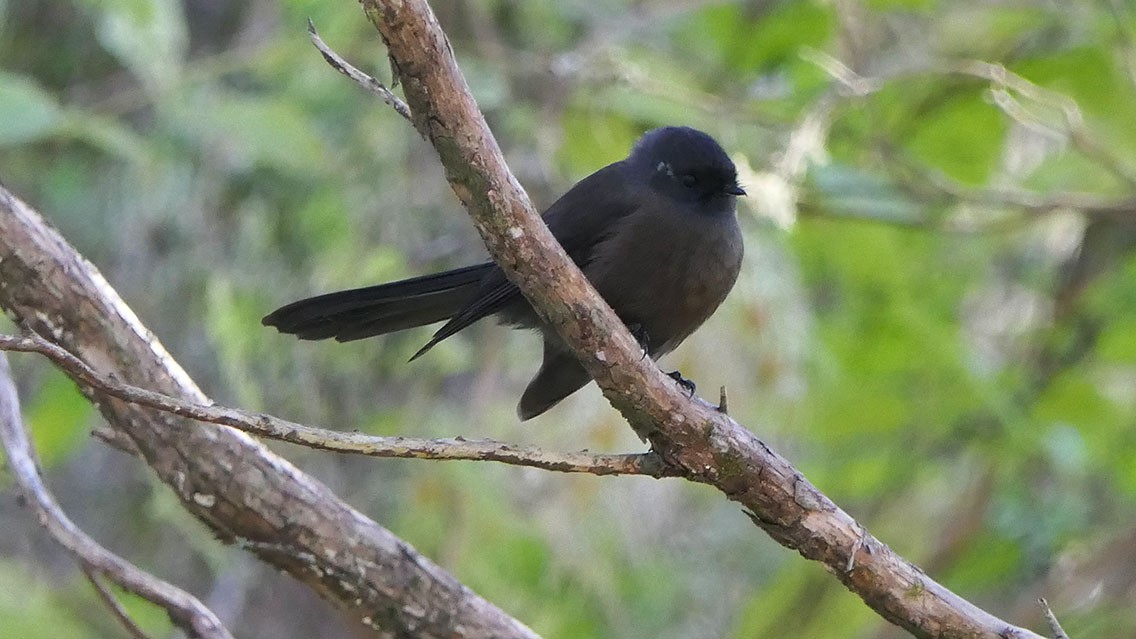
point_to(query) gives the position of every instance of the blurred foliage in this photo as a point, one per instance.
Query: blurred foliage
(928, 324)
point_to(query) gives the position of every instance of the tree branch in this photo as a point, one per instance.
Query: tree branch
(273, 427)
(238, 488)
(709, 446)
(115, 606)
(1014, 95)
(1007, 85)
(368, 82)
(185, 610)
(1051, 619)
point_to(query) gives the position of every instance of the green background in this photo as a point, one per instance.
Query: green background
(927, 324)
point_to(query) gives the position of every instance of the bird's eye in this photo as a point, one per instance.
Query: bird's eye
(689, 180)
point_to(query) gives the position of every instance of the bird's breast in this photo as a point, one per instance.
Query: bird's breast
(667, 271)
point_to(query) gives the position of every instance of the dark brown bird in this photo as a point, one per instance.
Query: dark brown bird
(656, 234)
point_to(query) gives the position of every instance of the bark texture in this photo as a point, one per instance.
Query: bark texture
(704, 444)
(242, 491)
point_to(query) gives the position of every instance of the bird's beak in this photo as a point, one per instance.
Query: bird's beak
(734, 189)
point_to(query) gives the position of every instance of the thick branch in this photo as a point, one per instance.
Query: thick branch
(185, 610)
(709, 446)
(342, 442)
(445, 113)
(226, 479)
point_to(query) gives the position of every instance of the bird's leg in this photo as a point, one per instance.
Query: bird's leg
(641, 336)
(686, 384)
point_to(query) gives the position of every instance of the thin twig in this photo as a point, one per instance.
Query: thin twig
(364, 80)
(1074, 120)
(1006, 87)
(709, 446)
(1028, 201)
(232, 483)
(926, 185)
(1051, 619)
(115, 606)
(184, 609)
(272, 427)
(849, 82)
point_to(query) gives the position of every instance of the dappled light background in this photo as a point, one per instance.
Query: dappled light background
(936, 321)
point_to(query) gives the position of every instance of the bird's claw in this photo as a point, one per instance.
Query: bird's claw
(641, 336)
(686, 384)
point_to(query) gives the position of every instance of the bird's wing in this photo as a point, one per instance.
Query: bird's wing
(580, 220)
(584, 216)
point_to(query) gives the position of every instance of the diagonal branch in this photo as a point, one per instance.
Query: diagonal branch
(185, 610)
(709, 446)
(1051, 619)
(230, 482)
(368, 82)
(273, 427)
(116, 607)
(1007, 85)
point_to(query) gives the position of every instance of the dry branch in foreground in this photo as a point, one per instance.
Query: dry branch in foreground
(238, 488)
(272, 427)
(184, 610)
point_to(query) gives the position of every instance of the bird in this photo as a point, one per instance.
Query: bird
(656, 234)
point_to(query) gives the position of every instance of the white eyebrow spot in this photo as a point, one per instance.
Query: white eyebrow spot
(665, 168)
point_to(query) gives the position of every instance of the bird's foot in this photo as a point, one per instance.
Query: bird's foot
(686, 384)
(641, 336)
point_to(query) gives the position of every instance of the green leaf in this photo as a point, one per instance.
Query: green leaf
(1114, 297)
(149, 37)
(962, 137)
(109, 136)
(1072, 171)
(249, 132)
(1094, 77)
(27, 111)
(592, 140)
(1073, 399)
(748, 40)
(989, 32)
(987, 561)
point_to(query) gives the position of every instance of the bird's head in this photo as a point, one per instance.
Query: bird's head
(687, 165)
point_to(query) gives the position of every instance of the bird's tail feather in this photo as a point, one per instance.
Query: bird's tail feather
(377, 310)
